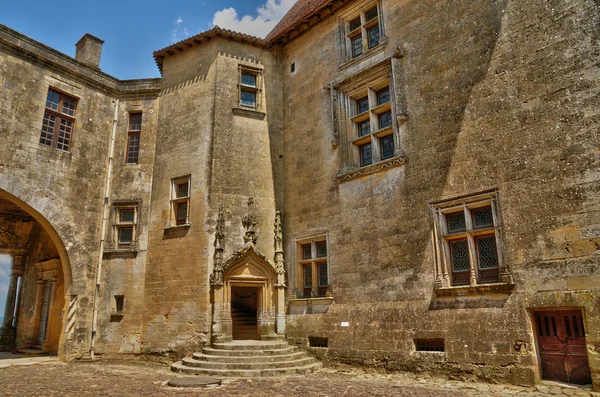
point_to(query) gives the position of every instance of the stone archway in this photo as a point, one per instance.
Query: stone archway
(38, 281)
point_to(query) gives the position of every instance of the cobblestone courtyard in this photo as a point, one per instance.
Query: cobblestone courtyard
(126, 379)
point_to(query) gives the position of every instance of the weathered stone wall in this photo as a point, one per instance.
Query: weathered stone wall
(500, 95)
(229, 159)
(64, 191)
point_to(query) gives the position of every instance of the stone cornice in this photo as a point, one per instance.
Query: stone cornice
(37, 53)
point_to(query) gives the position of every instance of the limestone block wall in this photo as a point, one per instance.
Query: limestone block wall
(495, 100)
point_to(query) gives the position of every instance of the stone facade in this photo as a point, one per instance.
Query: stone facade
(492, 105)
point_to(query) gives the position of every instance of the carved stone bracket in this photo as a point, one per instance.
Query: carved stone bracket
(371, 169)
(249, 222)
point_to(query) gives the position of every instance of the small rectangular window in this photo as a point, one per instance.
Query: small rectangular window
(248, 99)
(125, 235)
(366, 154)
(456, 222)
(354, 24)
(292, 67)
(357, 46)
(429, 345)
(322, 274)
(387, 147)
(364, 128)
(321, 249)
(314, 341)
(58, 121)
(306, 251)
(126, 215)
(135, 121)
(371, 14)
(119, 303)
(373, 36)
(482, 217)
(248, 80)
(307, 271)
(362, 105)
(383, 96)
(180, 201)
(133, 148)
(385, 119)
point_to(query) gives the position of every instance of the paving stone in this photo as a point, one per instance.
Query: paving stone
(195, 381)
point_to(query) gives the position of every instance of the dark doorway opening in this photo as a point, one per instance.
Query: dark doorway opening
(563, 351)
(244, 310)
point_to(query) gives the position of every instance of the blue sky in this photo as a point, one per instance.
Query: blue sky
(133, 29)
(4, 279)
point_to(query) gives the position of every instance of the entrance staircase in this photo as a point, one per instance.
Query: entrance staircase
(244, 323)
(248, 358)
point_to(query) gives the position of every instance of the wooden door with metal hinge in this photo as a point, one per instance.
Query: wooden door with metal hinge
(562, 347)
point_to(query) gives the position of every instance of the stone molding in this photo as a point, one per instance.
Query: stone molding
(396, 161)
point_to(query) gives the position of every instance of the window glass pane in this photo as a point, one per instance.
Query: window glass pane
(307, 276)
(364, 128)
(248, 99)
(322, 274)
(387, 147)
(306, 251)
(181, 213)
(456, 222)
(373, 36)
(126, 215)
(48, 129)
(321, 249)
(357, 46)
(182, 190)
(487, 252)
(482, 217)
(460, 255)
(133, 148)
(362, 105)
(355, 24)
(135, 121)
(385, 119)
(383, 96)
(64, 134)
(69, 105)
(366, 154)
(125, 235)
(249, 80)
(52, 100)
(371, 14)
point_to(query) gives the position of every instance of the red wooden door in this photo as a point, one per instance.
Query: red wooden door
(561, 340)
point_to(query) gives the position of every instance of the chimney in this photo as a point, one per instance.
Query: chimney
(89, 49)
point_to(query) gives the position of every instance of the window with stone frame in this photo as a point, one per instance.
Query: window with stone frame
(180, 201)
(133, 137)
(312, 268)
(468, 242)
(124, 225)
(362, 27)
(249, 87)
(59, 120)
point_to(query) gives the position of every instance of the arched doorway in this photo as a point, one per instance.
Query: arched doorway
(36, 281)
(250, 300)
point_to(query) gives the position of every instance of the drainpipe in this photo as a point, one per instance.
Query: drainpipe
(105, 214)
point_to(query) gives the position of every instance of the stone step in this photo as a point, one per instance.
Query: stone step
(271, 352)
(242, 365)
(306, 369)
(250, 345)
(249, 359)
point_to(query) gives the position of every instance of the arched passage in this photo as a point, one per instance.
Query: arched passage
(38, 280)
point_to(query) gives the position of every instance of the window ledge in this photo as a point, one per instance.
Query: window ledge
(178, 227)
(319, 299)
(367, 54)
(133, 249)
(251, 113)
(392, 162)
(317, 305)
(463, 290)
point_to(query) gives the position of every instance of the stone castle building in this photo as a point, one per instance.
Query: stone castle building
(409, 185)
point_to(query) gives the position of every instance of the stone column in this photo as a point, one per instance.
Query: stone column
(11, 299)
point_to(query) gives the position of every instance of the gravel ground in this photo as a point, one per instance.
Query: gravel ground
(125, 379)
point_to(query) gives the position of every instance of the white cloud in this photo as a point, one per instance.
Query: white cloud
(268, 15)
(179, 21)
(175, 31)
